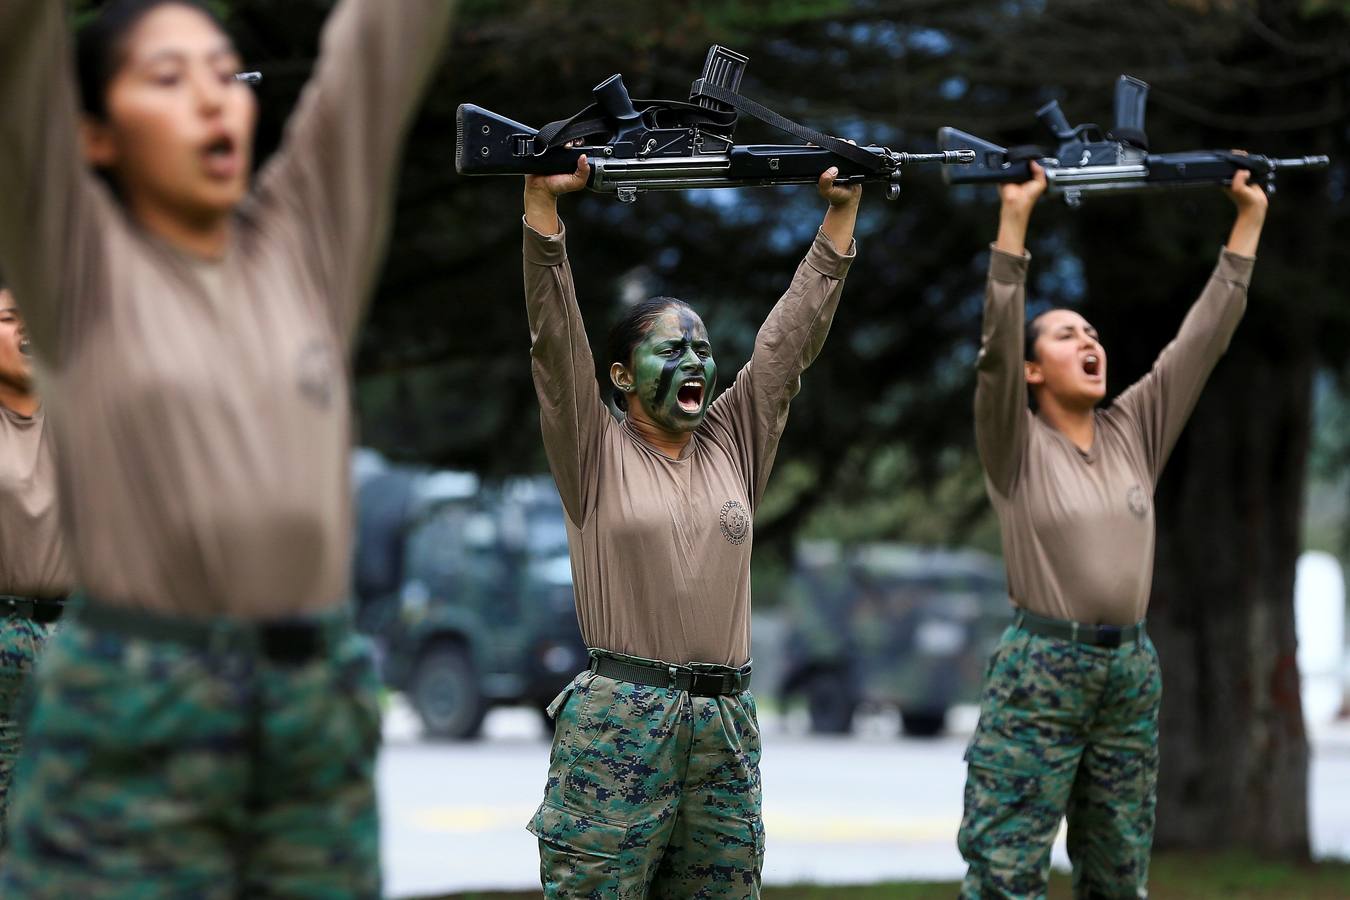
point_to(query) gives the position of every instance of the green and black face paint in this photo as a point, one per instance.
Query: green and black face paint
(673, 370)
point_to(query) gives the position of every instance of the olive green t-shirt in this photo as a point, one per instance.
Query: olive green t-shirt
(661, 547)
(1078, 526)
(201, 406)
(33, 561)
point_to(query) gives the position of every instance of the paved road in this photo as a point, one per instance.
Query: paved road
(858, 809)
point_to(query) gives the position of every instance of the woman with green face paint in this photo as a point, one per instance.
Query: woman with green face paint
(653, 786)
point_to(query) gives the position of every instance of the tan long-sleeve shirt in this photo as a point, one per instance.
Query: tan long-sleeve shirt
(1078, 527)
(201, 407)
(33, 561)
(661, 547)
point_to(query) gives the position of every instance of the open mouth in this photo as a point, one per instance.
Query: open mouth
(25, 346)
(1092, 365)
(690, 395)
(221, 146)
(220, 157)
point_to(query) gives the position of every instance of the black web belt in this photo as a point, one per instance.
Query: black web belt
(285, 641)
(1065, 630)
(701, 680)
(43, 610)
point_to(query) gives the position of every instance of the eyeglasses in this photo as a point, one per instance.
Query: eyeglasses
(249, 77)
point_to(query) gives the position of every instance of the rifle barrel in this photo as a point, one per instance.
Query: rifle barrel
(946, 157)
(1302, 162)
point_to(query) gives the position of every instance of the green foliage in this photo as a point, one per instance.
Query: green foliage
(1328, 497)
(1317, 7)
(880, 438)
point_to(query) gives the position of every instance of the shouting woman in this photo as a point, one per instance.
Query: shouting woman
(1069, 718)
(653, 785)
(35, 575)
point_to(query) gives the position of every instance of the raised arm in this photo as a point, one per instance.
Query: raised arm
(334, 175)
(1160, 403)
(1001, 382)
(50, 205)
(571, 413)
(753, 411)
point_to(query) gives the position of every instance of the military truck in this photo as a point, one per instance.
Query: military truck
(466, 590)
(881, 625)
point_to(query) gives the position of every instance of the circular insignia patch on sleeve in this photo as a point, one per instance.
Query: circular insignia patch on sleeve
(317, 374)
(735, 521)
(1138, 501)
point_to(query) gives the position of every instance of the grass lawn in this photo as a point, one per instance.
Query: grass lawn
(1174, 877)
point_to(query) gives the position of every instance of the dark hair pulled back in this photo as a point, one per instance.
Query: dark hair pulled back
(632, 330)
(1033, 331)
(101, 45)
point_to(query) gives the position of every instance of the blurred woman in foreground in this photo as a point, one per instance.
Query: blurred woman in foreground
(207, 726)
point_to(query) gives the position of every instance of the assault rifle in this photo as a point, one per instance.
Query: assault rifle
(1088, 160)
(634, 146)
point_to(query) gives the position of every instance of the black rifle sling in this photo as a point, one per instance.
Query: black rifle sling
(555, 134)
(592, 121)
(851, 152)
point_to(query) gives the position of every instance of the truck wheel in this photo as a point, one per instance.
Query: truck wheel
(923, 722)
(444, 691)
(830, 703)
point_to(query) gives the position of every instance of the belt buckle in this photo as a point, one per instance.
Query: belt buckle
(1109, 635)
(47, 611)
(706, 684)
(289, 643)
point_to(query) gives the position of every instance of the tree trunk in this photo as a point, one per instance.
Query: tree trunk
(1234, 752)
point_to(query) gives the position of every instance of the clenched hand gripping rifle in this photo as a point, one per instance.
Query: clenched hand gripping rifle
(663, 145)
(1089, 161)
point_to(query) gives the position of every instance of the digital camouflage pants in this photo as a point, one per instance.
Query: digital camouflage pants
(153, 769)
(651, 792)
(21, 640)
(1065, 729)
